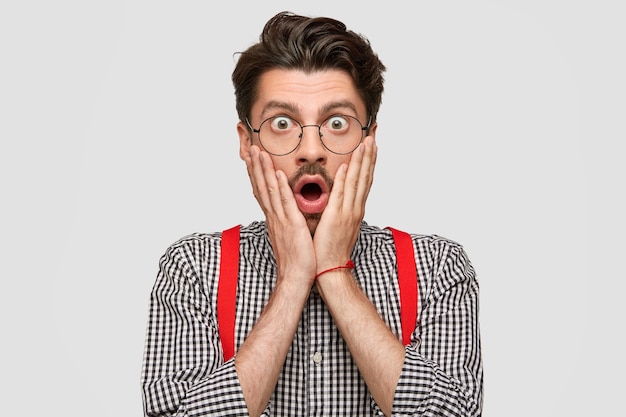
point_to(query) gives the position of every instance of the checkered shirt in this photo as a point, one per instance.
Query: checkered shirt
(184, 373)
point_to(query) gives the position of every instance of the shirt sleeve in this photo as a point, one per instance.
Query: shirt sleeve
(442, 372)
(183, 371)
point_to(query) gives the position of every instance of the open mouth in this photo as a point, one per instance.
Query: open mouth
(311, 191)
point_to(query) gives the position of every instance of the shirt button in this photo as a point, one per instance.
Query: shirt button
(317, 358)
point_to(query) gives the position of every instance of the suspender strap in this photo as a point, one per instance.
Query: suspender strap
(407, 280)
(227, 290)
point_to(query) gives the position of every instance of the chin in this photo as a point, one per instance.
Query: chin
(312, 220)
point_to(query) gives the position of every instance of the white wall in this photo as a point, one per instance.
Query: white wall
(499, 129)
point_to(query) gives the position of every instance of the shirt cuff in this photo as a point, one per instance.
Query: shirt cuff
(218, 395)
(424, 389)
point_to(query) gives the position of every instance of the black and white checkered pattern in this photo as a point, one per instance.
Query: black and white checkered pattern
(184, 374)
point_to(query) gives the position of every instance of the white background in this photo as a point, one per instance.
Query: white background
(499, 129)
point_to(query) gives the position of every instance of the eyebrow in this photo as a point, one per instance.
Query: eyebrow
(294, 108)
(338, 105)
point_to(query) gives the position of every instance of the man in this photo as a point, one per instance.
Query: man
(317, 323)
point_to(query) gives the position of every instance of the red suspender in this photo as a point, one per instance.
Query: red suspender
(227, 290)
(407, 280)
(229, 272)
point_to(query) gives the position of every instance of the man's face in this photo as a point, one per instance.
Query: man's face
(310, 99)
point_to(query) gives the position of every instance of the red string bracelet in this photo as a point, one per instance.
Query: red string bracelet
(348, 265)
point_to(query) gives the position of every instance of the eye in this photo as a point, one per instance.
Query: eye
(337, 123)
(282, 123)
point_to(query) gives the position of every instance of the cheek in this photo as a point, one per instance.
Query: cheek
(282, 165)
(332, 169)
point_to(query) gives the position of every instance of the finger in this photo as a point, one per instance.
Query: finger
(272, 190)
(251, 168)
(366, 173)
(258, 179)
(337, 194)
(352, 177)
(287, 199)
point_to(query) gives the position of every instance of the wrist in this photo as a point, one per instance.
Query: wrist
(293, 285)
(338, 283)
(348, 265)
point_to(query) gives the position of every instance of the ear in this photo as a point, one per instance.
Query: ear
(245, 140)
(373, 127)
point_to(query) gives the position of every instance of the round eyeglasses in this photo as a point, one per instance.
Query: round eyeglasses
(281, 135)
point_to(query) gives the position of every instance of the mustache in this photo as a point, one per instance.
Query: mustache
(311, 169)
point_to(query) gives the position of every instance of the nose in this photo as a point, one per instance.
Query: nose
(311, 149)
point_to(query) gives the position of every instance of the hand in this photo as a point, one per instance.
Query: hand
(287, 227)
(339, 225)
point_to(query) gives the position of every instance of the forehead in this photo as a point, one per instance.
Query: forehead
(307, 94)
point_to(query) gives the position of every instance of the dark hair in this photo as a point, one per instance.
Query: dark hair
(290, 41)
